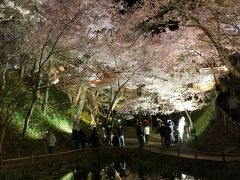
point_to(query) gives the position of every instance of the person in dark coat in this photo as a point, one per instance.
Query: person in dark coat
(161, 131)
(49, 140)
(120, 131)
(115, 140)
(167, 135)
(109, 135)
(95, 137)
(83, 138)
(140, 134)
(75, 139)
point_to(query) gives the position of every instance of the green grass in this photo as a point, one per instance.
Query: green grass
(86, 118)
(39, 122)
(201, 119)
(54, 119)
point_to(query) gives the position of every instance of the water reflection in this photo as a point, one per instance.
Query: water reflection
(114, 170)
(80, 173)
(118, 171)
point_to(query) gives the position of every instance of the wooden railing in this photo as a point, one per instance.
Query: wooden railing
(225, 120)
(194, 154)
(109, 152)
(64, 156)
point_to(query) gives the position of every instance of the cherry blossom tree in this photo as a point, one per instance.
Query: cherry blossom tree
(83, 25)
(12, 92)
(157, 46)
(192, 35)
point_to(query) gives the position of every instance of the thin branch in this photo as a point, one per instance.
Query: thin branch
(57, 39)
(3, 77)
(115, 96)
(7, 19)
(44, 46)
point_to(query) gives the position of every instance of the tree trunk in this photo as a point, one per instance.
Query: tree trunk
(76, 97)
(29, 114)
(2, 135)
(3, 118)
(46, 93)
(45, 100)
(81, 102)
(22, 70)
(114, 98)
(35, 95)
(37, 87)
(4, 78)
(3, 129)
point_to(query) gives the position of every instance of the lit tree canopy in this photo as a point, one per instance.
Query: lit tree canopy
(160, 47)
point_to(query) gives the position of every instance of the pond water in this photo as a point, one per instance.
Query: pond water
(155, 169)
(143, 167)
(121, 170)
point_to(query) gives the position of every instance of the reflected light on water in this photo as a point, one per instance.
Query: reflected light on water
(186, 177)
(67, 176)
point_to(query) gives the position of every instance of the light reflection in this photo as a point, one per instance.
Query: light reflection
(186, 177)
(67, 176)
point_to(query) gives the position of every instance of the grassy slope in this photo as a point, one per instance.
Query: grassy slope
(202, 119)
(56, 119)
(211, 135)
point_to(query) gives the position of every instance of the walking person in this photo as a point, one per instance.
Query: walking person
(50, 140)
(115, 140)
(167, 135)
(109, 135)
(147, 133)
(145, 122)
(171, 126)
(82, 137)
(75, 139)
(140, 134)
(234, 104)
(161, 131)
(180, 129)
(121, 136)
(95, 137)
(103, 135)
(89, 135)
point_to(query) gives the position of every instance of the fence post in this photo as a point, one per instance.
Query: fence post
(32, 159)
(195, 154)
(178, 152)
(223, 157)
(18, 152)
(150, 148)
(1, 161)
(224, 121)
(58, 156)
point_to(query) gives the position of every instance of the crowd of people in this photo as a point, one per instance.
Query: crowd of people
(96, 136)
(169, 134)
(143, 132)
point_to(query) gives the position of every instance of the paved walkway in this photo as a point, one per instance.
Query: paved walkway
(185, 151)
